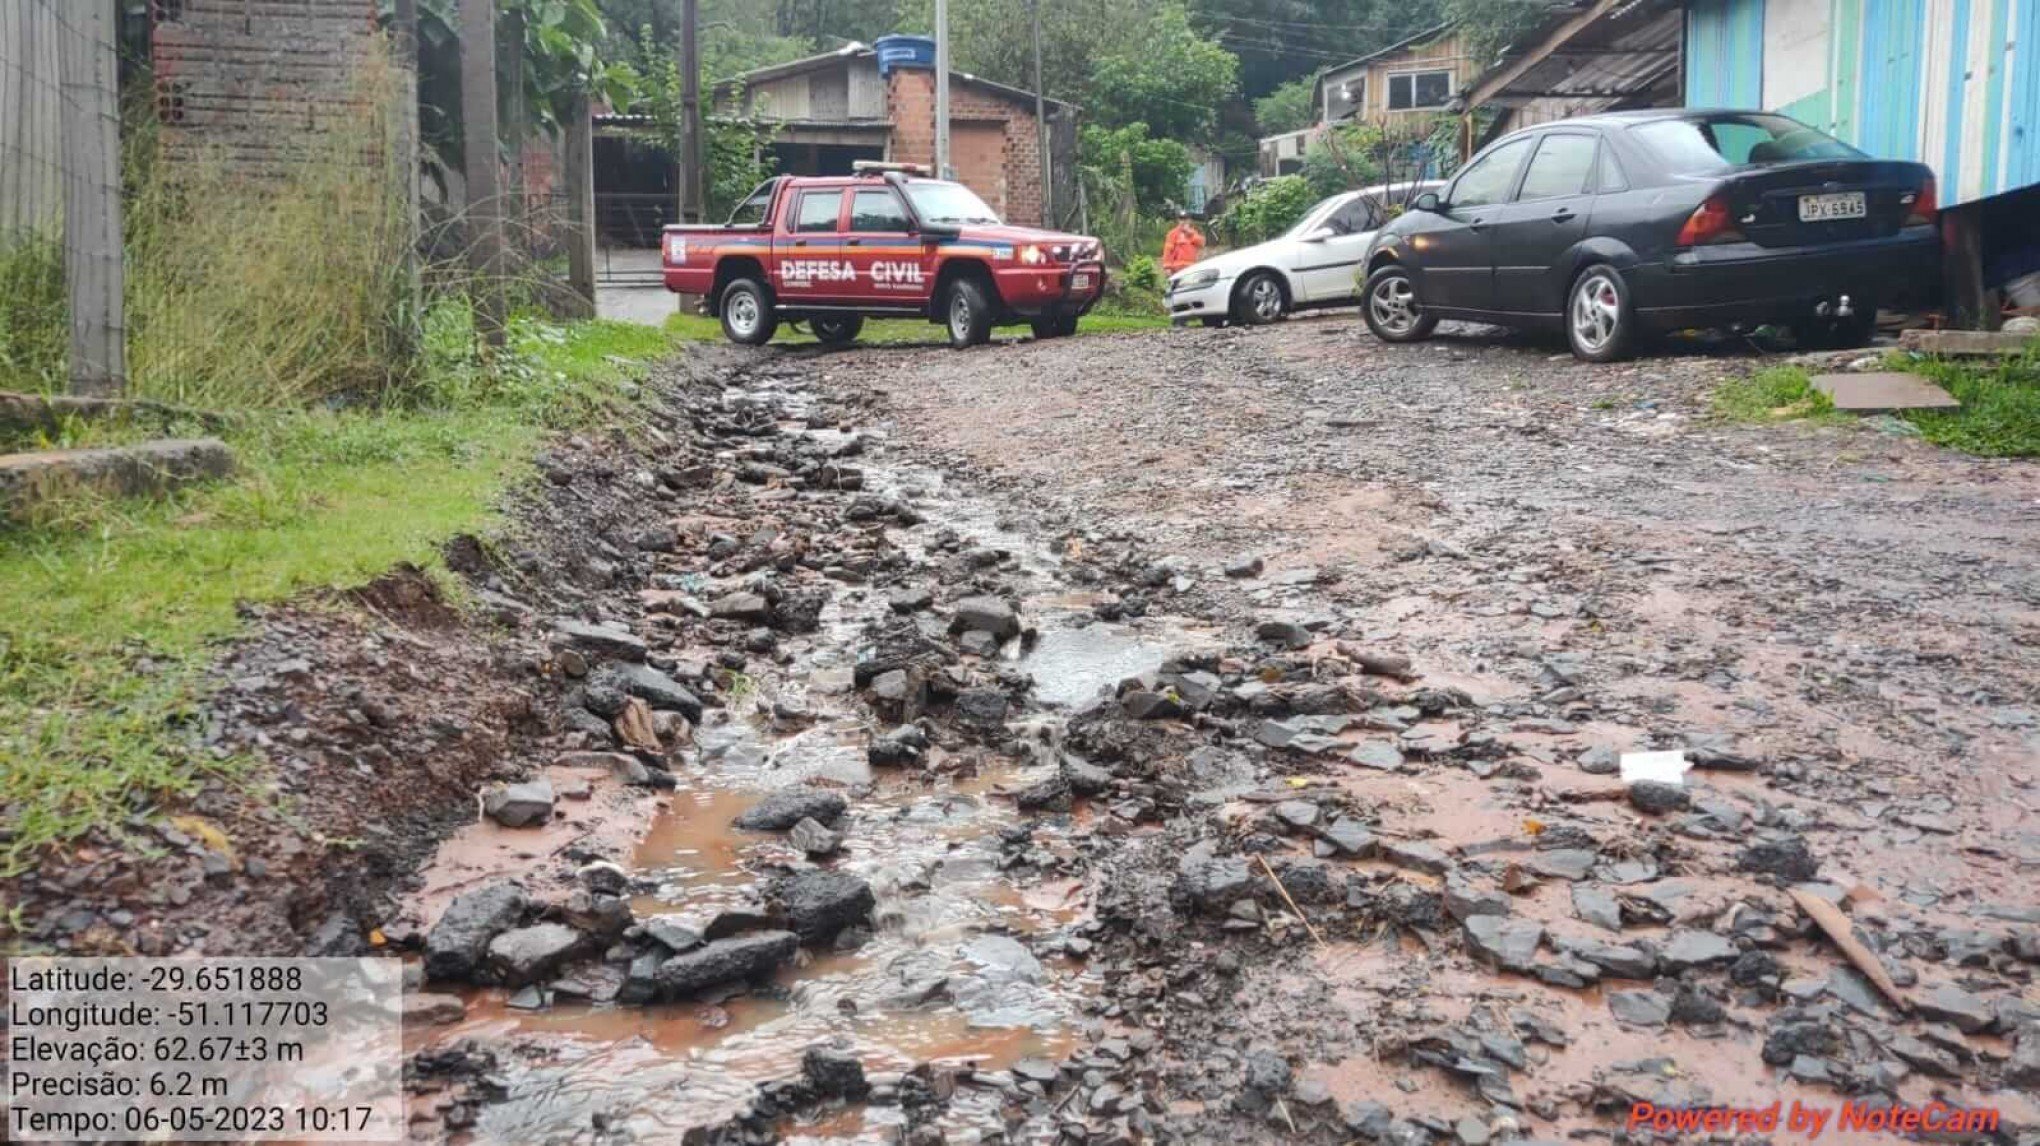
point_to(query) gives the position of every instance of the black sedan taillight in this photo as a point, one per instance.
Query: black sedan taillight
(1711, 222)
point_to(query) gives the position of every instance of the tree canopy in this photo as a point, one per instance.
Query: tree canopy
(1287, 108)
(1199, 72)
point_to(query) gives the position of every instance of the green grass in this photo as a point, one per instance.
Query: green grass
(1773, 394)
(2000, 414)
(903, 331)
(111, 611)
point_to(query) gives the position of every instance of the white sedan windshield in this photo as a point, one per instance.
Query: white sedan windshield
(949, 203)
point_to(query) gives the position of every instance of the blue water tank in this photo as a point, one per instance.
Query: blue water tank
(904, 52)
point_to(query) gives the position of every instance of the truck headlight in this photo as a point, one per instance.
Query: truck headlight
(1192, 279)
(1033, 256)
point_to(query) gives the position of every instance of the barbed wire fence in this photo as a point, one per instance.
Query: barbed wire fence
(60, 223)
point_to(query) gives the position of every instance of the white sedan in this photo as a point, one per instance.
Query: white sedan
(1315, 263)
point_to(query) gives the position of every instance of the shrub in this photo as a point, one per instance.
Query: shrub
(1156, 171)
(1271, 208)
(1142, 273)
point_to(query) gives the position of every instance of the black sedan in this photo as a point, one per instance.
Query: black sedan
(1618, 226)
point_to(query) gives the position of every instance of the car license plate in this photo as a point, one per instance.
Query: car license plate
(1080, 281)
(1821, 208)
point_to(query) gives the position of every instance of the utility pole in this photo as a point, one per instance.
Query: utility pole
(693, 183)
(406, 46)
(481, 158)
(511, 42)
(942, 168)
(92, 230)
(580, 188)
(1041, 126)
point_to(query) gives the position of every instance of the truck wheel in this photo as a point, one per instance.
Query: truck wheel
(969, 314)
(747, 316)
(837, 331)
(1058, 326)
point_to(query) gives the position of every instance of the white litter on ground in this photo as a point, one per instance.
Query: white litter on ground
(1664, 767)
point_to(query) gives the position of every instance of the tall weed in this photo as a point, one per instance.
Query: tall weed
(276, 288)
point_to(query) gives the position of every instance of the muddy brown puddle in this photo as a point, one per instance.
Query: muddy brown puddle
(963, 964)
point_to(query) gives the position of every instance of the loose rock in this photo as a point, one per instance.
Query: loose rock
(789, 806)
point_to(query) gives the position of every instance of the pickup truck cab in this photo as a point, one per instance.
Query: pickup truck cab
(833, 250)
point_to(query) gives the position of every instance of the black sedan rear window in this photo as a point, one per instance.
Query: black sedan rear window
(1719, 142)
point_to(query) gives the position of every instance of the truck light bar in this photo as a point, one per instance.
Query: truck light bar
(875, 167)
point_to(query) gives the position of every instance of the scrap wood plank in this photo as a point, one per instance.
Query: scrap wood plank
(1836, 925)
(1879, 391)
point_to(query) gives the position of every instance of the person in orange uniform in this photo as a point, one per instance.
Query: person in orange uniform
(1184, 245)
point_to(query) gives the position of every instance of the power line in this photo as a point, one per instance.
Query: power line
(1238, 40)
(1399, 29)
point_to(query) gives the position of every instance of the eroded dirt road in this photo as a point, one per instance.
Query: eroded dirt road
(1838, 626)
(1204, 736)
(1221, 736)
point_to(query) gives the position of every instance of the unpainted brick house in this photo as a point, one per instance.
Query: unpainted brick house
(248, 81)
(246, 78)
(831, 110)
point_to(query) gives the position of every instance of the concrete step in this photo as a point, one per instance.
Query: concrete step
(1964, 343)
(148, 468)
(46, 414)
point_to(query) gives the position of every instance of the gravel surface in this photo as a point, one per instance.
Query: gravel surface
(1835, 624)
(1854, 600)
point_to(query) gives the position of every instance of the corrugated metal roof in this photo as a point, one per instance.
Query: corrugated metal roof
(1604, 54)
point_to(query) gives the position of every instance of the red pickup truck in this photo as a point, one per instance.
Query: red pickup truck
(832, 250)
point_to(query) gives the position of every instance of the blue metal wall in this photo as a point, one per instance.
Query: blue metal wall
(1889, 63)
(2019, 155)
(1724, 53)
(1954, 84)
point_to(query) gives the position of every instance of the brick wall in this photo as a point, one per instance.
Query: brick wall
(993, 143)
(249, 76)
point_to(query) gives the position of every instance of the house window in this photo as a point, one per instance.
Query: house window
(1352, 95)
(1419, 89)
